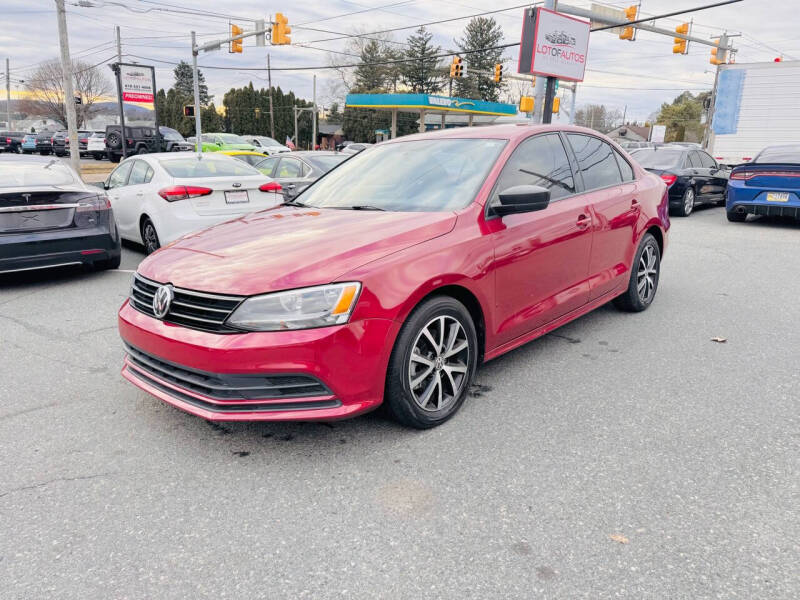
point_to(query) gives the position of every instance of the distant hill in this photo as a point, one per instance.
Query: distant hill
(104, 108)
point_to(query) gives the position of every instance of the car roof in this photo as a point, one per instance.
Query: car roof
(513, 131)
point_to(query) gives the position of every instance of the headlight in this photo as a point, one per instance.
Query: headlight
(304, 308)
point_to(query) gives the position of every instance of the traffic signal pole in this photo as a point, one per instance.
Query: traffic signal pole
(198, 128)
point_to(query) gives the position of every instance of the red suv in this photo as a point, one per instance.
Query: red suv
(395, 275)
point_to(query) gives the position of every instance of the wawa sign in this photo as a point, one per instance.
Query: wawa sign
(553, 44)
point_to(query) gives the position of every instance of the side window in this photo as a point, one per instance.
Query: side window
(596, 161)
(624, 167)
(306, 170)
(692, 161)
(540, 160)
(267, 166)
(120, 175)
(138, 173)
(707, 161)
(290, 167)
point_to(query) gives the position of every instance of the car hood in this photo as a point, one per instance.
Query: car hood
(288, 247)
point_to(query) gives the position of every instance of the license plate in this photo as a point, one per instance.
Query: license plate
(237, 197)
(777, 196)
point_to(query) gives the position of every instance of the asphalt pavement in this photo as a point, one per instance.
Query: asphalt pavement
(621, 456)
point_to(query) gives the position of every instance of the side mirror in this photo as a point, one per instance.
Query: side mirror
(522, 199)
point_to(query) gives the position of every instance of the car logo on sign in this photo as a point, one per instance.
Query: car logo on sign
(162, 300)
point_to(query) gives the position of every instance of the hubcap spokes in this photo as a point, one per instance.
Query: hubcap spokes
(647, 274)
(689, 204)
(437, 370)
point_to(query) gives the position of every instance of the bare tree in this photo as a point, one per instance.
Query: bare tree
(46, 91)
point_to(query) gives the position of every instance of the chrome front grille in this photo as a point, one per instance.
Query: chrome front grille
(197, 310)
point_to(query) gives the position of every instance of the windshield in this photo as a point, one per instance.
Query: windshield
(657, 158)
(191, 166)
(327, 161)
(170, 134)
(230, 138)
(13, 174)
(779, 154)
(421, 175)
(268, 141)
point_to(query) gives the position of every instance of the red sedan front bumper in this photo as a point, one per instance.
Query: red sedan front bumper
(313, 374)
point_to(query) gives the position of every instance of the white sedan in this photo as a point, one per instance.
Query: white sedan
(96, 145)
(158, 198)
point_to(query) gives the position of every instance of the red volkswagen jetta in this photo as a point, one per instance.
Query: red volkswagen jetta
(395, 275)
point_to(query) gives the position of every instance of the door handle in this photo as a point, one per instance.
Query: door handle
(583, 222)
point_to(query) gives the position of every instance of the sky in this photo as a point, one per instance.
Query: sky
(634, 77)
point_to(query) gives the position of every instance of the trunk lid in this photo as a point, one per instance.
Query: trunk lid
(39, 210)
(780, 176)
(231, 196)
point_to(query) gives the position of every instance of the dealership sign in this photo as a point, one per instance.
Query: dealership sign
(136, 82)
(553, 44)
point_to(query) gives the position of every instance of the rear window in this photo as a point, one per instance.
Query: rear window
(13, 174)
(191, 166)
(658, 158)
(326, 163)
(779, 154)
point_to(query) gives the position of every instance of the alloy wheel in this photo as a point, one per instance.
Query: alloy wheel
(688, 201)
(150, 238)
(647, 275)
(437, 369)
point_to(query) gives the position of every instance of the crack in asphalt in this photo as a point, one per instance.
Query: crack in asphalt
(27, 410)
(43, 331)
(55, 480)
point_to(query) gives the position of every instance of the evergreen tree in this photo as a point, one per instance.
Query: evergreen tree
(184, 84)
(212, 121)
(334, 116)
(421, 74)
(481, 35)
(370, 75)
(161, 103)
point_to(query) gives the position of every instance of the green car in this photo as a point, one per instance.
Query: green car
(214, 142)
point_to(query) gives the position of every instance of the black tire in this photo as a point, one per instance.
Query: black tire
(401, 401)
(98, 156)
(109, 263)
(113, 140)
(141, 150)
(114, 158)
(687, 203)
(736, 217)
(44, 152)
(634, 300)
(149, 236)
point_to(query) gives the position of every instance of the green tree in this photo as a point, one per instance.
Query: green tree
(334, 116)
(161, 103)
(370, 74)
(184, 84)
(420, 73)
(682, 118)
(478, 45)
(211, 119)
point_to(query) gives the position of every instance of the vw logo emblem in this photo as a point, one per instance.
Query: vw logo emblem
(162, 300)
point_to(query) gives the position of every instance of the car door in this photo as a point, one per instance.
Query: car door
(717, 181)
(698, 176)
(134, 193)
(541, 258)
(615, 210)
(289, 174)
(115, 184)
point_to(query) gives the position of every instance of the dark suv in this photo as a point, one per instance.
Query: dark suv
(11, 141)
(60, 142)
(138, 140)
(173, 141)
(44, 142)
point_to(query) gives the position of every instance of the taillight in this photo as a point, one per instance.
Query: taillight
(740, 175)
(99, 202)
(272, 186)
(747, 158)
(183, 192)
(669, 178)
(8, 140)
(130, 142)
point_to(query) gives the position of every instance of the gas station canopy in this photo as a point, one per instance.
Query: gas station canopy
(427, 103)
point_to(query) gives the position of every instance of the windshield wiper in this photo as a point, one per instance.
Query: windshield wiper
(293, 203)
(364, 207)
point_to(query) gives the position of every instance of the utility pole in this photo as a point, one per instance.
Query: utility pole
(572, 104)
(542, 90)
(624, 114)
(69, 90)
(271, 113)
(296, 140)
(8, 96)
(198, 129)
(119, 44)
(314, 117)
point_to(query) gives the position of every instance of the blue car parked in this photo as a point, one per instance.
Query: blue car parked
(768, 185)
(29, 143)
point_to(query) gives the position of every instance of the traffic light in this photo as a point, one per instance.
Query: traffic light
(188, 110)
(628, 32)
(498, 73)
(281, 30)
(556, 105)
(526, 104)
(681, 45)
(236, 45)
(456, 67)
(718, 54)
